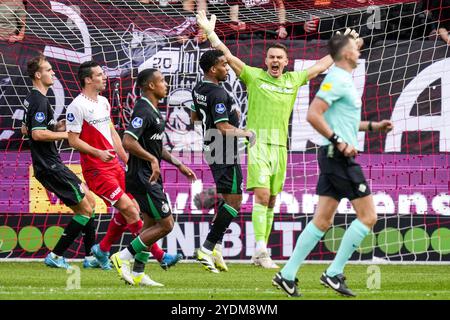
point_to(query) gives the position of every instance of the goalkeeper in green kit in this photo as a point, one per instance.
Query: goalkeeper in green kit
(271, 98)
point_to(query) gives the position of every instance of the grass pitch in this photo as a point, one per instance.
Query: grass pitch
(33, 280)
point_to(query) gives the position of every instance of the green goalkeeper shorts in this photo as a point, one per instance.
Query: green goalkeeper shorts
(266, 167)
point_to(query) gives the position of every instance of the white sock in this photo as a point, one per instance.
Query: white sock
(261, 246)
(125, 254)
(218, 247)
(206, 250)
(136, 274)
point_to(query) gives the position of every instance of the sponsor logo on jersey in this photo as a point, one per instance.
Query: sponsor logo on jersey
(115, 193)
(70, 117)
(199, 97)
(269, 87)
(137, 122)
(96, 121)
(326, 86)
(220, 108)
(157, 136)
(40, 116)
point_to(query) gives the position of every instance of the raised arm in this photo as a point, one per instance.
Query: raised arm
(326, 62)
(319, 67)
(208, 27)
(281, 12)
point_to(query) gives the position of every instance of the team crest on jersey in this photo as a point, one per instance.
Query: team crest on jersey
(70, 117)
(137, 122)
(165, 208)
(362, 187)
(40, 117)
(262, 179)
(220, 108)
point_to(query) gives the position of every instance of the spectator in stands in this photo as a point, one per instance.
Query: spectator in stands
(12, 20)
(259, 12)
(318, 28)
(261, 8)
(187, 8)
(439, 12)
(227, 10)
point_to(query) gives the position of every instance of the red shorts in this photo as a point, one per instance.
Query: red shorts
(108, 184)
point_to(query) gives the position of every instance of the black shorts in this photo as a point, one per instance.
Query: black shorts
(340, 176)
(228, 179)
(152, 201)
(63, 183)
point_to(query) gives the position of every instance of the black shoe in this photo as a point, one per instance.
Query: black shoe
(289, 286)
(337, 283)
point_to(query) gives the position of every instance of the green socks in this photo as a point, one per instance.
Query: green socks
(259, 221)
(269, 222)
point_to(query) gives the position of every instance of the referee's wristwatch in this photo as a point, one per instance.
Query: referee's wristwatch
(335, 139)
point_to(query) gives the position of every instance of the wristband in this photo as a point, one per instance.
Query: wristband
(335, 139)
(214, 39)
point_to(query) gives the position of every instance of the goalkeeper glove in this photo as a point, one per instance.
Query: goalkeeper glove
(208, 27)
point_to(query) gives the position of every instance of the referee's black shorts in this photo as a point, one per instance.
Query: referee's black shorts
(340, 176)
(63, 183)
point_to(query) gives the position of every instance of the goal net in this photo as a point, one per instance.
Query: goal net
(403, 75)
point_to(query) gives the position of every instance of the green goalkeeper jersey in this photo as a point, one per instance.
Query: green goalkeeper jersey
(270, 102)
